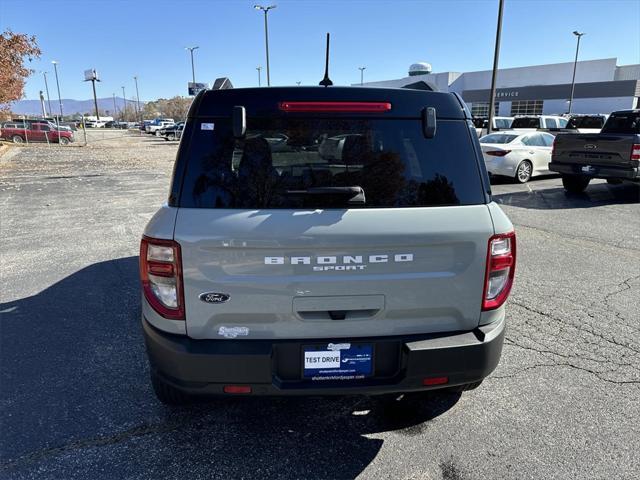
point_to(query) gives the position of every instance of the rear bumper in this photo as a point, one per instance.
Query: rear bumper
(596, 171)
(274, 367)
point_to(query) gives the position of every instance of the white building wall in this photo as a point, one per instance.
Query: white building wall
(628, 72)
(553, 74)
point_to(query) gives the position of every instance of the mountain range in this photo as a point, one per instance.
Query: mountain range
(69, 106)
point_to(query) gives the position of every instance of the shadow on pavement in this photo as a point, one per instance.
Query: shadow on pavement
(75, 397)
(557, 198)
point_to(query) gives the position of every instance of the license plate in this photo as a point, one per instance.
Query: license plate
(338, 361)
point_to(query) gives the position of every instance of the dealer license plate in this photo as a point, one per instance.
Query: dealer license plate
(338, 361)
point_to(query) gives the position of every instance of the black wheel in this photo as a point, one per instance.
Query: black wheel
(17, 139)
(168, 394)
(171, 136)
(64, 141)
(524, 171)
(575, 183)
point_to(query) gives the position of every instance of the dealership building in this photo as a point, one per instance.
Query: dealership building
(601, 87)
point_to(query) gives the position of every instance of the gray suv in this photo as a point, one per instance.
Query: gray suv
(331, 240)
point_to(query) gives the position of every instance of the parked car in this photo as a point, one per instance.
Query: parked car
(516, 154)
(587, 123)
(499, 123)
(35, 132)
(613, 154)
(283, 273)
(551, 123)
(157, 124)
(171, 132)
(48, 121)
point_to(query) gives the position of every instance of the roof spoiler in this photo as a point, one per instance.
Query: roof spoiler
(421, 85)
(222, 83)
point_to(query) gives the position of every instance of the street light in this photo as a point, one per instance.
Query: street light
(575, 64)
(193, 70)
(494, 73)
(46, 87)
(362, 69)
(124, 110)
(55, 67)
(135, 79)
(115, 107)
(266, 35)
(259, 69)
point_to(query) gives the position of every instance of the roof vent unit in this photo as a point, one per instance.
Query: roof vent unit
(222, 83)
(420, 68)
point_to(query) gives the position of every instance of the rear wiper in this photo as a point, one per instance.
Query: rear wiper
(354, 194)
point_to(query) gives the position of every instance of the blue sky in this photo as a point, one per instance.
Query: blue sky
(147, 38)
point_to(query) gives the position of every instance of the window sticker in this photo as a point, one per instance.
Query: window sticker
(207, 126)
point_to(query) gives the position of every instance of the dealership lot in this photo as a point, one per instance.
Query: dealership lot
(77, 403)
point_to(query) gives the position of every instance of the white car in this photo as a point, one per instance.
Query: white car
(517, 154)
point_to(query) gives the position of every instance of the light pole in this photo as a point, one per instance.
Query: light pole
(266, 36)
(44, 110)
(259, 69)
(115, 107)
(46, 87)
(193, 70)
(575, 64)
(362, 69)
(494, 73)
(135, 79)
(55, 68)
(124, 110)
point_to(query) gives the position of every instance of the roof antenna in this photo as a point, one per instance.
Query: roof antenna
(326, 81)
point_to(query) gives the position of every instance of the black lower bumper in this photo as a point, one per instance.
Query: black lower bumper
(596, 171)
(274, 367)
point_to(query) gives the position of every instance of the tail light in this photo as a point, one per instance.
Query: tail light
(635, 152)
(501, 267)
(161, 275)
(497, 153)
(336, 107)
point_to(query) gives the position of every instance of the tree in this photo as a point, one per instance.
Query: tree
(15, 48)
(176, 108)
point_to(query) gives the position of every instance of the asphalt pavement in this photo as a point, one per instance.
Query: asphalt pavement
(74, 393)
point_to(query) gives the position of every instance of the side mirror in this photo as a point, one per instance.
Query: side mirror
(429, 122)
(239, 122)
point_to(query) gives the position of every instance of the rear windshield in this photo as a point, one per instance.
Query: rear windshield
(286, 163)
(525, 122)
(622, 123)
(498, 138)
(503, 123)
(586, 122)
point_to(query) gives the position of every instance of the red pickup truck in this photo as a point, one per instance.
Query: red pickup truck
(35, 132)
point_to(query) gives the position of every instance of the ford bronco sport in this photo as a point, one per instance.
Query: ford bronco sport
(325, 241)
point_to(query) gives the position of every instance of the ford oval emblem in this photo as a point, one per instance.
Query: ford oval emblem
(213, 297)
(590, 146)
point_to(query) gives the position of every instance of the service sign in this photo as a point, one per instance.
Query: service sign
(90, 75)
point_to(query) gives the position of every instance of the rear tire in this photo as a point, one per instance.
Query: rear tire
(575, 183)
(168, 394)
(17, 139)
(524, 171)
(171, 136)
(64, 141)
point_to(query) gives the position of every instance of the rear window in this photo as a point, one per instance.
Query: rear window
(503, 123)
(622, 123)
(586, 122)
(498, 138)
(525, 122)
(286, 163)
